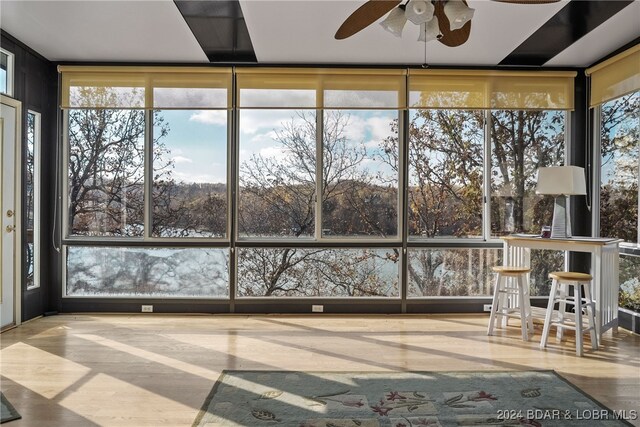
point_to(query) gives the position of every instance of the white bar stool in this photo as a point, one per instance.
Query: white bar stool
(562, 280)
(505, 306)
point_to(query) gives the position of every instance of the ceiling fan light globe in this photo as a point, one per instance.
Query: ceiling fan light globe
(458, 14)
(395, 22)
(419, 11)
(430, 31)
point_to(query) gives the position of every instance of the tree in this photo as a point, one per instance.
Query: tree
(278, 197)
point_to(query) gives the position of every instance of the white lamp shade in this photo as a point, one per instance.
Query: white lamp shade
(419, 11)
(561, 180)
(429, 30)
(395, 22)
(458, 13)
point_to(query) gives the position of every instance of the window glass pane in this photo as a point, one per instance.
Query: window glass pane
(144, 272)
(446, 152)
(31, 225)
(277, 161)
(620, 150)
(468, 272)
(279, 272)
(106, 172)
(189, 173)
(630, 282)
(360, 174)
(4, 72)
(451, 272)
(521, 142)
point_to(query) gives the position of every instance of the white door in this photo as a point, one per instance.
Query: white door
(10, 210)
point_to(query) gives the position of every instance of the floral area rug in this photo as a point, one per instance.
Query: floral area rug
(408, 399)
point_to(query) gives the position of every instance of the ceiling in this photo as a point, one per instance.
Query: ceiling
(302, 32)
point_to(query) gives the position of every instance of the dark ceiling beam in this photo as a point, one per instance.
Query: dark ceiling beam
(571, 23)
(219, 28)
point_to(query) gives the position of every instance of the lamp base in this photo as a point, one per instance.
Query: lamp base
(561, 226)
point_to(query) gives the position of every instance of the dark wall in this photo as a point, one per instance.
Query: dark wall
(36, 87)
(581, 149)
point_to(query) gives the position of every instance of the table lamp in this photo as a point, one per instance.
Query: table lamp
(561, 181)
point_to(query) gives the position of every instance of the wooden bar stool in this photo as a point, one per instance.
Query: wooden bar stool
(505, 305)
(562, 280)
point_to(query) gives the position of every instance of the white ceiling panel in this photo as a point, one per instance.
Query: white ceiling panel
(139, 31)
(617, 31)
(303, 32)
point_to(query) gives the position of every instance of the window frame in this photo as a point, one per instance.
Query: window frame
(10, 72)
(36, 182)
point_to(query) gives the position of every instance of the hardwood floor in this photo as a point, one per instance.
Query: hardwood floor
(156, 370)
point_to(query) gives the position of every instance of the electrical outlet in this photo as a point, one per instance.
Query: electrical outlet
(147, 309)
(317, 308)
(487, 307)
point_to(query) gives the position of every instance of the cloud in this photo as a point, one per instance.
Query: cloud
(181, 159)
(210, 117)
(254, 121)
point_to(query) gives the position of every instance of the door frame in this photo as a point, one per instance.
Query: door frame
(17, 241)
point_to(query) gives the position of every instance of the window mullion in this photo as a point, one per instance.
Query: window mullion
(148, 173)
(486, 206)
(319, 172)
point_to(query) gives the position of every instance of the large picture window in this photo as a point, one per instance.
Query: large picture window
(331, 183)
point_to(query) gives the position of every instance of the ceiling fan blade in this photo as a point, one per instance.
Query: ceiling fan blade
(527, 1)
(364, 16)
(450, 38)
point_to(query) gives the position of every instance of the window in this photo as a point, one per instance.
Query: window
(32, 201)
(277, 174)
(318, 272)
(147, 272)
(521, 142)
(315, 163)
(189, 194)
(360, 173)
(6, 72)
(446, 155)
(619, 187)
(451, 272)
(620, 167)
(106, 172)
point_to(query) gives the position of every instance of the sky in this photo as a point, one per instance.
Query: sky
(197, 139)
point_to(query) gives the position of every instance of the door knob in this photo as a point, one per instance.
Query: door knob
(11, 228)
(9, 213)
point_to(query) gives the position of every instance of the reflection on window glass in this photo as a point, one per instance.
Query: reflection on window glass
(106, 172)
(521, 142)
(30, 188)
(445, 173)
(630, 282)
(620, 151)
(451, 272)
(468, 272)
(293, 272)
(157, 272)
(360, 174)
(277, 173)
(189, 195)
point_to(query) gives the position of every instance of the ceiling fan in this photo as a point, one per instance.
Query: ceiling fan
(448, 21)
